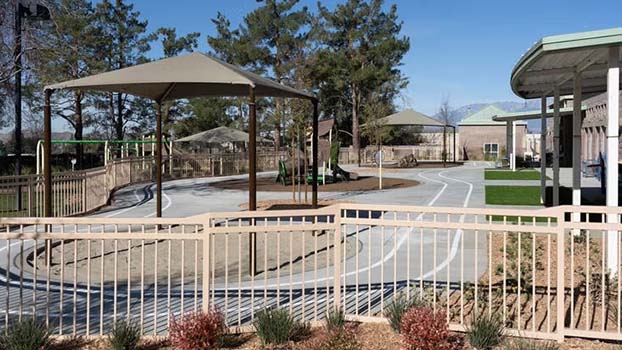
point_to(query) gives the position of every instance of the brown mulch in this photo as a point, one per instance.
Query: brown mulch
(370, 337)
(369, 183)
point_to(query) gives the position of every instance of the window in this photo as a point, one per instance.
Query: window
(491, 150)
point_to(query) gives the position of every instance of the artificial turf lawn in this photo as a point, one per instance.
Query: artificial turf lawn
(513, 195)
(511, 175)
(523, 219)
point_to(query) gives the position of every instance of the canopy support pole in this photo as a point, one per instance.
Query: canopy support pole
(613, 124)
(252, 175)
(576, 146)
(158, 173)
(47, 155)
(252, 151)
(314, 151)
(543, 150)
(556, 131)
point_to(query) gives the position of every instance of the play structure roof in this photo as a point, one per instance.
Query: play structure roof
(192, 75)
(410, 117)
(221, 134)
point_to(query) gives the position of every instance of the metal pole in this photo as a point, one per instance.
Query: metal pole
(252, 175)
(315, 153)
(158, 150)
(613, 125)
(455, 154)
(18, 101)
(543, 150)
(47, 155)
(556, 135)
(576, 147)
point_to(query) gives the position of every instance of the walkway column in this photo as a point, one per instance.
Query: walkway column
(158, 160)
(513, 145)
(543, 150)
(576, 146)
(613, 123)
(47, 155)
(314, 152)
(556, 135)
(508, 142)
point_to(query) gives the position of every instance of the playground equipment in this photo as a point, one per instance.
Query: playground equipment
(125, 149)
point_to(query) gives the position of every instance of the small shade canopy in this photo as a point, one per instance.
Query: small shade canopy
(553, 60)
(410, 117)
(192, 75)
(221, 134)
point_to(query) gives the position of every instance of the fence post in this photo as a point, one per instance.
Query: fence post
(338, 260)
(561, 268)
(207, 231)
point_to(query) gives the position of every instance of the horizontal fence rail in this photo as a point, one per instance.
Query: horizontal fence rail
(80, 192)
(545, 272)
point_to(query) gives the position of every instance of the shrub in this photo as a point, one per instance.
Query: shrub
(398, 307)
(339, 338)
(197, 331)
(124, 336)
(423, 329)
(26, 335)
(275, 326)
(335, 319)
(485, 331)
(530, 344)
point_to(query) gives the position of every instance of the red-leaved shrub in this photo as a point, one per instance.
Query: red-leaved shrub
(197, 331)
(423, 329)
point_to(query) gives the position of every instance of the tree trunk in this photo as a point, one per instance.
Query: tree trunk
(356, 145)
(119, 117)
(277, 136)
(79, 129)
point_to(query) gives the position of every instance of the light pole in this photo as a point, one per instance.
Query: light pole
(28, 9)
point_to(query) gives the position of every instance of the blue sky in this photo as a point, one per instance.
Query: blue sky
(461, 49)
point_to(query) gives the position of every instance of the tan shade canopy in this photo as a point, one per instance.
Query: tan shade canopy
(192, 75)
(410, 117)
(220, 134)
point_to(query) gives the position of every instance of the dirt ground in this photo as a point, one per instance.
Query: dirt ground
(364, 183)
(369, 336)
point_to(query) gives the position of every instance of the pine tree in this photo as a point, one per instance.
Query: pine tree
(67, 49)
(125, 43)
(361, 52)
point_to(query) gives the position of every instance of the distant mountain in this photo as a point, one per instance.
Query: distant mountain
(509, 106)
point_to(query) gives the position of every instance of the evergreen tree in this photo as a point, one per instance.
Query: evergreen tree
(67, 49)
(361, 50)
(125, 43)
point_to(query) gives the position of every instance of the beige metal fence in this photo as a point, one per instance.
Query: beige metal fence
(80, 192)
(544, 275)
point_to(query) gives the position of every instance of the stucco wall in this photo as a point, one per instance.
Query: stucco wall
(473, 138)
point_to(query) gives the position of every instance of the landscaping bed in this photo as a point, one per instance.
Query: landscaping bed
(369, 336)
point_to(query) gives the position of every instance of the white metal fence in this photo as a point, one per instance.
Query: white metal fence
(543, 274)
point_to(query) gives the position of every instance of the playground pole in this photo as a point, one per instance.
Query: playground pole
(47, 153)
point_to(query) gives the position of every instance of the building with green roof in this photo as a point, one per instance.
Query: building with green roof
(483, 138)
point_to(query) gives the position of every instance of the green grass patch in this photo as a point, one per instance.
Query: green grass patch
(523, 219)
(511, 175)
(513, 195)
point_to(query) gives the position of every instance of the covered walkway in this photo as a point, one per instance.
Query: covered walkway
(576, 64)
